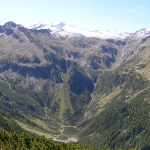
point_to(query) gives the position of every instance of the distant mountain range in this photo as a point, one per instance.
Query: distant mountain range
(62, 29)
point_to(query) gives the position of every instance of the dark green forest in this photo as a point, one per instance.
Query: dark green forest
(125, 121)
(22, 141)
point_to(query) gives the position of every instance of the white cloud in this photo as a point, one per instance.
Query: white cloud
(132, 10)
(140, 7)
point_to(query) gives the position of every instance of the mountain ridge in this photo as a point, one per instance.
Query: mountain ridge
(62, 29)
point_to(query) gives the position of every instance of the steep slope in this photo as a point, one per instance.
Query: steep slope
(121, 107)
(124, 112)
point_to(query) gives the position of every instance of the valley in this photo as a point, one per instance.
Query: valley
(75, 87)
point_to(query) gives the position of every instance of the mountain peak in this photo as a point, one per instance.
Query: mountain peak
(142, 33)
(60, 24)
(11, 24)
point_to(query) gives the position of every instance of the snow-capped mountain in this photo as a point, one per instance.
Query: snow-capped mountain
(62, 29)
(141, 33)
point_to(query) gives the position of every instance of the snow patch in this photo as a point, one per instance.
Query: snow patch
(142, 33)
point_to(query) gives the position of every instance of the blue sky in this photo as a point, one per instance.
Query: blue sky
(113, 15)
